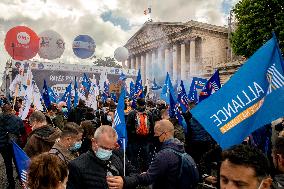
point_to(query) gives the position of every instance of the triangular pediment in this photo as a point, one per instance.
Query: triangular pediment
(153, 31)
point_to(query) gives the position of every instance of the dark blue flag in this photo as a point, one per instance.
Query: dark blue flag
(167, 90)
(52, 96)
(197, 83)
(132, 89)
(174, 112)
(182, 98)
(22, 162)
(105, 94)
(76, 97)
(138, 91)
(211, 86)
(67, 96)
(86, 83)
(119, 120)
(248, 101)
(45, 95)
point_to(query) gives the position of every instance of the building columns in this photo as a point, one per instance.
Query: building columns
(192, 60)
(168, 61)
(137, 63)
(143, 66)
(183, 66)
(132, 65)
(175, 63)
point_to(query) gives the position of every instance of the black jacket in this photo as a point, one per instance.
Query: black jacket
(10, 124)
(131, 128)
(164, 170)
(89, 172)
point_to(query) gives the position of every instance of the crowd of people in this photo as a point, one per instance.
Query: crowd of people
(78, 148)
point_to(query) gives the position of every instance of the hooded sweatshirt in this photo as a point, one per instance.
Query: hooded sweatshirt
(41, 140)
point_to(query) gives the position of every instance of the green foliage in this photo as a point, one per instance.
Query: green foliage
(107, 62)
(257, 19)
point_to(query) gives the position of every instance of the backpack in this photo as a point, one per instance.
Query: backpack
(188, 177)
(142, 124)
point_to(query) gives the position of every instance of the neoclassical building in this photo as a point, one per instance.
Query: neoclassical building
(184, 50)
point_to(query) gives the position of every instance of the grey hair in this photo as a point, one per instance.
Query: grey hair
(105, 129)
(37, 116)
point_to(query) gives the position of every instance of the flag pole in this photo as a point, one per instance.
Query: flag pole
(124, 150)
(15, 96)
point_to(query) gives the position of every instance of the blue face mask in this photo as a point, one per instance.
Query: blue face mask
(76, 146)
(103, 154)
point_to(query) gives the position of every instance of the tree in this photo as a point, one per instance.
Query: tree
(107, 62)
(257, 19)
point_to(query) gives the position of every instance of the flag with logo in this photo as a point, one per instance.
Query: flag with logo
(182, 98)
(67, 96)
(138, 89)
(45, 95)
(76, 96)
(52, 95)
(167, 90)
(211, 86)
(175, 112)
(196, 84)
(132, 89)
(86, 84)
(119, 120)
(22, 162)
(252, 98)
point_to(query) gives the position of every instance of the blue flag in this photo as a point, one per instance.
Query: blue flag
(67, 96)
(138, 91)
(197, 83)
(155, 86)
(252, 98)
(45, 95)
(167, 90)
(86, 83)
(211, 86)
(105, 94)
(122, 77)
(22, 162)
(182, 98)
(53, 97)
(132, 89)
(119, 120)
(174, 112)
(76, 96)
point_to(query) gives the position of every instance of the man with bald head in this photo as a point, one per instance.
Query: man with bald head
(91, 169)
(165, 168)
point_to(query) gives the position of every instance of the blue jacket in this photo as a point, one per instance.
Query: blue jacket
(164, 170)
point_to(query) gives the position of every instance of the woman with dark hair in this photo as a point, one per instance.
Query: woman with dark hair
(47, 171)
(89, 127)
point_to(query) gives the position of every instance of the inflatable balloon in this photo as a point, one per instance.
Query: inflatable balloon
(51, 45)
(84, 46)
(21, 43)
(121, 54)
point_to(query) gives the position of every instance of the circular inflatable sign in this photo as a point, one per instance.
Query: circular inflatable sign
(51, 45)
(121, 54)
(21, 43)
(84, 46)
